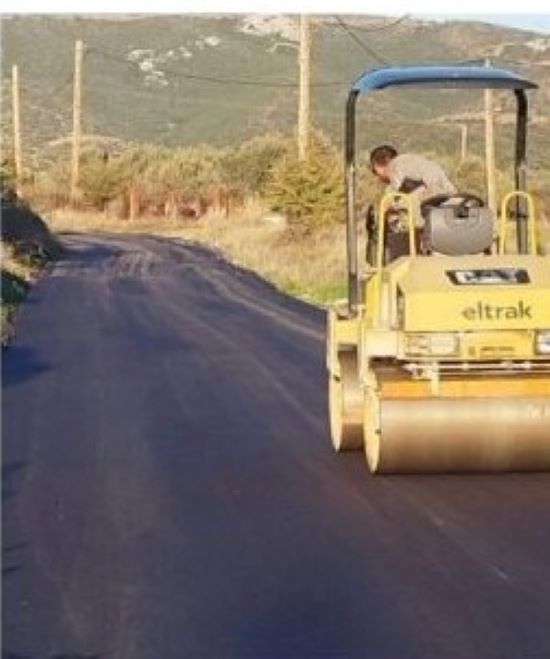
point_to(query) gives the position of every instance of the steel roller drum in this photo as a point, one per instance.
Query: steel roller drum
(488, 433)
(346, 405)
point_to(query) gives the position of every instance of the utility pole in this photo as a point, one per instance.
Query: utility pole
(463, 142)
(16, 112)
(490, 148)
(77, 119)
(305, 82)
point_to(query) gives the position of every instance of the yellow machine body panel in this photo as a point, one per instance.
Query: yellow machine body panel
(442, 294)
(342, 334)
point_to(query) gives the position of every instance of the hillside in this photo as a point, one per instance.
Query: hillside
(139, 78)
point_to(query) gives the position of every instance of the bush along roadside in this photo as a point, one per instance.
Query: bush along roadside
(27, 248)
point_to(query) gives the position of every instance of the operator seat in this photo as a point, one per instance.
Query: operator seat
(457, 225)
(453, 225)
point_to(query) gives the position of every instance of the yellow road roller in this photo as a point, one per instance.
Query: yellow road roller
(439, 360)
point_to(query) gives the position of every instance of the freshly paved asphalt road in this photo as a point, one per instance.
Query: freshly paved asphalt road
(169, 490)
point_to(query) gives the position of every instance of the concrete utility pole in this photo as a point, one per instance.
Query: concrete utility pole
(16, 112)
(490, 160)
(305, 82)
(77, 119)
(463, 142)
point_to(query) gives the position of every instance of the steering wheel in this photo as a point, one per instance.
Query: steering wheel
(468, 200)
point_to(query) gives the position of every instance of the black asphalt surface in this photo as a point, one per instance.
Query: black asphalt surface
(170, 492)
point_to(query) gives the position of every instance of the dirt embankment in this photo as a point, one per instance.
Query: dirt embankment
(27, 247)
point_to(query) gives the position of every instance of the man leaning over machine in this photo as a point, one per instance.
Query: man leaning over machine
(411, 174)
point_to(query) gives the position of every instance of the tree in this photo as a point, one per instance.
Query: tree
(311, 192)
(247, 168)
(102, 179)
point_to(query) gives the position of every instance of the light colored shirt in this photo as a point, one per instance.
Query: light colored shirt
(417, 168)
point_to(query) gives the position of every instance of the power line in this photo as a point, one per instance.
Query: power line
(33, 89)
(56, 114)
(498, 61)
(216, 79)
(191, 76)
(389, 25)
(522, 64)
(62, 87)
(370, 51)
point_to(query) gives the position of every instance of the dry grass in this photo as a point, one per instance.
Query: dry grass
(308, 266)
(70, 221)
(312, 267)
(545, 239)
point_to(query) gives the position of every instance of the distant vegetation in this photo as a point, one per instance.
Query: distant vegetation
(173, 140)
(256, 202)
(154, 181)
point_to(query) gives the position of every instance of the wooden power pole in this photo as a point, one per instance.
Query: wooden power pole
(16, 111)
(490, 160)
(305, 82)
(463, 142)
(77, 119)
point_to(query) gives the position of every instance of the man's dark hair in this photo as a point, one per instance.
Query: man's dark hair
(382, 155)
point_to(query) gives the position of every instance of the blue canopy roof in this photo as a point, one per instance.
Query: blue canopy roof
(486, 77)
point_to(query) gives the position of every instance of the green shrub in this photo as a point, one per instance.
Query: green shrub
(7, 173)
(52, 185)
(159, 171)
(311, 192)
(247, 168)
(102, 179)
(7, 166)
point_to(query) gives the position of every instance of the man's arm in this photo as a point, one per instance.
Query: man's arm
(410, 185)
(405, 181)
(436, 180)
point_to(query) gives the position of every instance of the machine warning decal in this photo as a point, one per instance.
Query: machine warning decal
(489, 277)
